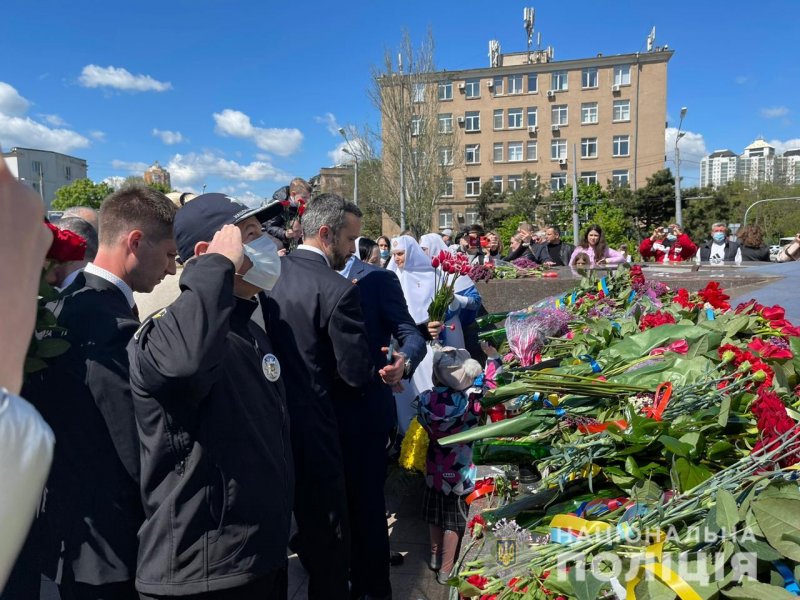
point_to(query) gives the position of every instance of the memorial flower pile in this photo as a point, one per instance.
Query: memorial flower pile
(662, 430)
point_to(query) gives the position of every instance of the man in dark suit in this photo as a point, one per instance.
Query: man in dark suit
(93, 510)
(367, 417)
(315, 322)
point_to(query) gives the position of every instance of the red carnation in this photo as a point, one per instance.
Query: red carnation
(715, 296)
(656, 319)
(66, 246)
(773, 422)
(682, 298)
(478, 581)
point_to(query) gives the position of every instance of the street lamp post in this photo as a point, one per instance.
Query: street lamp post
(349, 150)
(678, 208)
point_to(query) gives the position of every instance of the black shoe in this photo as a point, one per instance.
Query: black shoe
(396, 559)
(436, 562)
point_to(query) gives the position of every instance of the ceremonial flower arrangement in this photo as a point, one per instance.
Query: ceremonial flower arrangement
(663, 427)
(448, 268)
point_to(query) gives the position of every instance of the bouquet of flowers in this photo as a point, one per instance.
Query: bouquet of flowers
(293, 209)
(449, 268)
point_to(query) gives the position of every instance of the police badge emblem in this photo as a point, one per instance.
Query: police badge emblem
(271, 367)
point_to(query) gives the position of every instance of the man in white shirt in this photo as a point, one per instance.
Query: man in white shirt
(720, 248)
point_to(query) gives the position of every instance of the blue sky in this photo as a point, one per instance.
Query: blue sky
(241, 96)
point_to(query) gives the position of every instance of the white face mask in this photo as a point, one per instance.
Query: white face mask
(266, 268)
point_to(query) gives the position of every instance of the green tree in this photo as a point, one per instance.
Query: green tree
(654, 204)
(81, 192)
(526, 199)
(485, 203)
(508, 228)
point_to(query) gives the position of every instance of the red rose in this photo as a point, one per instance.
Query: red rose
(768, 350)
(713, 295)
(66, 246)
(773, 313)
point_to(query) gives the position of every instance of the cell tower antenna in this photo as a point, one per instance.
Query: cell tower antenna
(529, 16)
(651, 39)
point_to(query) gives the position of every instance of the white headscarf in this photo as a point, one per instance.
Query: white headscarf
(434, 243)
(417, 277)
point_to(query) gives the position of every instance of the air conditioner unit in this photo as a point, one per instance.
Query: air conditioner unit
(551, 93)
(615, 88)
(532, 129)
(562, 162)
(490, 84)
(556, 127)
(462, 85)
(460, 120)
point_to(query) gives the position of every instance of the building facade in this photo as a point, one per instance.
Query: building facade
(157, 174)
(44, 171)
(757, 164)
(602, 117)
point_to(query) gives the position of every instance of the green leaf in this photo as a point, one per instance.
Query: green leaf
(588, 589)
(651, 588)
(719, 449)
(677, 447)
(51, 347)
(724, 411)
(761, 549)
(777, 517)
(632, 468)
(727, 511)
(695, 441)
(737, 324)
(689, 474)
(33, 364)
(754, 590)
(647, 491)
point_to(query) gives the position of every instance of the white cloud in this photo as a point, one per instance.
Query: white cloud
(329, 120)
(194, 168)
(742, 79)
(54, 120)
(234, 123)
(98, 135)
(783, 146)
(169, 137)
(11, 103)
(133, 167)
(692, 145)
(115, 181)
(248, 198)
(774, 112)
(338, 155)
(118, 78)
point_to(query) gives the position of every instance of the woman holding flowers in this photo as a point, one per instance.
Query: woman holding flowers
(594, 245)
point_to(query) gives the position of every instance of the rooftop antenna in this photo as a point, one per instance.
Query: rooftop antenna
(538, 40)
(494, 53)
(651, 39)
(400, 62)
(529, 18)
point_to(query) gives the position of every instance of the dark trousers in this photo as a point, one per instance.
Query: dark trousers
(365, 474)
(72, 590)
(273, 586)
(323, 531)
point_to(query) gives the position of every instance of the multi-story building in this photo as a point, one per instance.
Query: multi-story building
(44, 171)
(158, 175)
(757, 164)
(602, 117)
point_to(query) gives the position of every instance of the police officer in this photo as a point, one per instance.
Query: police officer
(217, 475)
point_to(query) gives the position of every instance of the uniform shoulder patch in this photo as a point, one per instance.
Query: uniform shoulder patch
(147, 324)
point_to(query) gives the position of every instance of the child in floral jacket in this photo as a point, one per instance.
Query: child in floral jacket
(452, 406)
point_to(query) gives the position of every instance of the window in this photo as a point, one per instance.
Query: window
(497, 86)
(418, 93)
(589, 148)
(445, 90)
(498, 119)
(472, 119)
(621, 145)
(532, 152)
(472, 88)
(67, 173)
(36, 167)
(514, 151)
(558, 181)
(446, 123)
(532, 116)
(620, 177)
(559, 114)
(589, 78)
(472, 154)
(588, 113)
(514, 118)
(471, 216)
(558, 150)
(622, 110)
(445, 156)
(622, 75)
(497, 152)
(558, 81)
(416, 125)
(447, 187)
(515, 84)
(514, 183)
(445, 218)
(533, 83)
(589, 177)
(473, 186)
(497, 180)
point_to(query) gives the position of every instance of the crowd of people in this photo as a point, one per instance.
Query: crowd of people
(270, 384)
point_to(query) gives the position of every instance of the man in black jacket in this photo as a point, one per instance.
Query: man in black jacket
(285, 224)
(217, 474)
(554, 252)
(314, 316)
(93, 510)
(720, 248)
